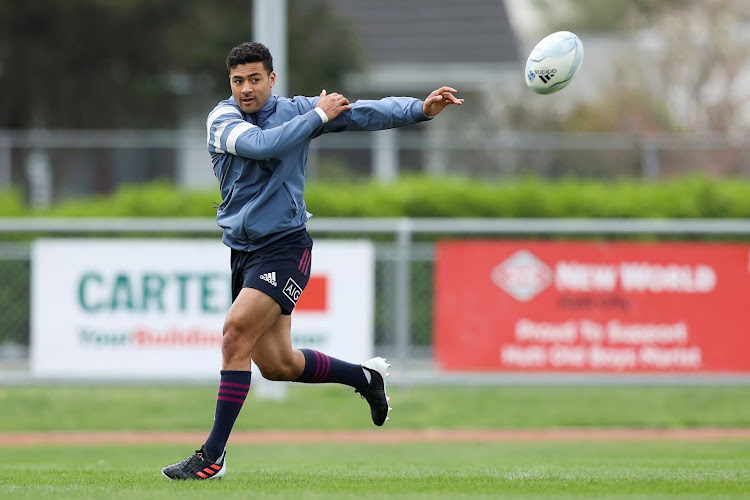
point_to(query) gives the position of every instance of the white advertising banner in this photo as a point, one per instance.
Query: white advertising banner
(143, 308)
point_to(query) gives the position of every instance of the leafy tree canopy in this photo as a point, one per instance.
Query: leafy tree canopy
(134, 63)
(601, 15)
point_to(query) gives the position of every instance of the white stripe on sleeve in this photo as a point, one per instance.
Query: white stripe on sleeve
(222, 110)
(238, 130)
(220, 131)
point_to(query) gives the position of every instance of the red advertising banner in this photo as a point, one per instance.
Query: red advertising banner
(599, 307)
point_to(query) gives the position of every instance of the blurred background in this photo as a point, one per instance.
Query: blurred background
(104, 104)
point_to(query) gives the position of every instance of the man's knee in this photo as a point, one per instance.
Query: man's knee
(236, 341)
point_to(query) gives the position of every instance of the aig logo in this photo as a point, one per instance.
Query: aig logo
(292, 290)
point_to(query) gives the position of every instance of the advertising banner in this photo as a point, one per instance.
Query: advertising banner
(144, 308)
(584, 306)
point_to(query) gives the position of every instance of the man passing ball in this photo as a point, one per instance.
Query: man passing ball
(259, 145)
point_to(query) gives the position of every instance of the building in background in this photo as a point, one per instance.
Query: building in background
(413, 47)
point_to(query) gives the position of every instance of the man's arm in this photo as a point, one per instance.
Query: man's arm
(229, 133)
(392, 112)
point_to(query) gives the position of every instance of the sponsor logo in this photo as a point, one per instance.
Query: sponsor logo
(546, 75)
(149, 338)
(102, 292)
(292, 290)
(531, 76)
(635, 277)
(269, 277)
(522, 275)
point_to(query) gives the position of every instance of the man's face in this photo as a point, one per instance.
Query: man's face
(251, 85)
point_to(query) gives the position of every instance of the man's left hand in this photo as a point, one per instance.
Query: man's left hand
(439, 99)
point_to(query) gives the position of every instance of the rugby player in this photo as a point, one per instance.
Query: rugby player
(259, 144)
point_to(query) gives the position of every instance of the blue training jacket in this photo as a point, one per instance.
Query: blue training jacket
(260, 159)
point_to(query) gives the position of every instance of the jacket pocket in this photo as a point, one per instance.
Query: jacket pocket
(227, 198)
(293, 202)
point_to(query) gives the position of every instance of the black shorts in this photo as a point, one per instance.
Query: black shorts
(281, 270)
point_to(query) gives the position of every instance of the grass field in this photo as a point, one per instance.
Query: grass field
(644, 469)
(432, 470)
(331, 407)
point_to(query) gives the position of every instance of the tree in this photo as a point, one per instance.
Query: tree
(692, 68)
(681, 71)
(125, 63)
(595, 16)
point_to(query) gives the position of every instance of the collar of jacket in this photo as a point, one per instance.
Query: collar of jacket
(267, 110)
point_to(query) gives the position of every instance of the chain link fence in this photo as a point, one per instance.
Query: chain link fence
(15, 301)
(421, 259)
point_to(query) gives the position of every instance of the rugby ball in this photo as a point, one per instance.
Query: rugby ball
(554, 62)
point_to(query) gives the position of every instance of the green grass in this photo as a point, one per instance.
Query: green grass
(431, 470)
(334, 407)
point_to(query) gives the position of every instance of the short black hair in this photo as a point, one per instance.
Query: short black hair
(250, 52)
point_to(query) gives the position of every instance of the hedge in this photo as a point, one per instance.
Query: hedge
(690, 197)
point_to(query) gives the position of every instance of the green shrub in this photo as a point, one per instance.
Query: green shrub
(11, 204)
(689, 197)
(158, 199)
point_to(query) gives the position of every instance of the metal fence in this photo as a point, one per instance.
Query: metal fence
(54, 165)
(404, 263)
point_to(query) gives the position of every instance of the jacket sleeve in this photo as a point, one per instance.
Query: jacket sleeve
(228, 132)
(381, 114)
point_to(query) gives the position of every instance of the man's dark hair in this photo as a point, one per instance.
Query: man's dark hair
(250, 52)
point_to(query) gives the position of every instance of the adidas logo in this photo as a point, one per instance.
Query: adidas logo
(269, 277)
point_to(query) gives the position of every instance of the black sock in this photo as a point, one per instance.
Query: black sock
(321, 369)
(233, 390)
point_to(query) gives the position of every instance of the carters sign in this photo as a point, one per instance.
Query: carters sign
(140, 308)
(576, 306)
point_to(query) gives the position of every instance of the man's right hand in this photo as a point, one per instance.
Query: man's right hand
(333, 104)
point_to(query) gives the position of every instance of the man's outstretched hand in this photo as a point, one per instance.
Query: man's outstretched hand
(439, 99)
